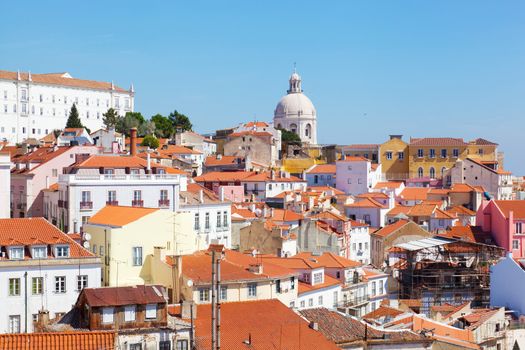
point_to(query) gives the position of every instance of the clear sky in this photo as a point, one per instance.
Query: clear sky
(372, 68)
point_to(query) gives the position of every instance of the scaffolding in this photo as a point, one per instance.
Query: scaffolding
(446, 271)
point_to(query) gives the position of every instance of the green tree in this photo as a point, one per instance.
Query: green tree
(289, 136)
(179, 121)
(124, 124)
(151, 141)
(74, 120)
(163, 126)
(136, 115)
(147, 128)
(110, 118)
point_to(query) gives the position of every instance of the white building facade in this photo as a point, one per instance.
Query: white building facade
(295, 112)
(5, 185)
(355, 175)
(33, 105)
(360, 242)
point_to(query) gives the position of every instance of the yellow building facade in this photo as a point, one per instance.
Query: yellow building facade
(393, 156)
(125, 237)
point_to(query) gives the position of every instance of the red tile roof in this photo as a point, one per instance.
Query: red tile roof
(267, 177)
(366, 203)
(325, 189)
(361, 146)
(256, 124)
(516, 206)
(92, 340)
(97, 161)
(251, 133)
(226, 176)
(389, 229)
(119, 216)
(328, 260)
(37, 231)
(354, 159)
(382, 311)
(323, 169)
(437, 141)
(40, 156)
(129, 295)
(483, 142)
(388, 184)
(59, 79)
(465, 188)
(414, 193)
(222, 160)
(328, 282)
(269, 324)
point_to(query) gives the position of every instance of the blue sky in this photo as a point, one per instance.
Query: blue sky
(372, 68)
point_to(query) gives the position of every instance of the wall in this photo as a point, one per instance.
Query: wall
(501, 274)
(327, 295)
(395, 168)
(5, 186)
(222, 233)
(259, 149)
(355, 172)
(437, 163)
(360, 235)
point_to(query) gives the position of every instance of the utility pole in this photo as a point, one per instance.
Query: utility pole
(217, 251)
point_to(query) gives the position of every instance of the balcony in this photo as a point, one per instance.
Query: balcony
(86, 205)
(137, 203)
(111, 202)
(352, 302)
(73, 178)
(164, 203)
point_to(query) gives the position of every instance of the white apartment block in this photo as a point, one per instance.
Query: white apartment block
(113, 180)
(41, 269)
(33, 105)
(356, 175)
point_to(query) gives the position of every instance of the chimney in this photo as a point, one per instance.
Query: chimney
(314, 326)
(201, 196)
(149, 162)
(133, 141)
(159, 253)
(186, 310)
(252, 208)
(221, 193)
(271, 212)
(396, 137)
(42, 320)
(219, 156)
(255, 268)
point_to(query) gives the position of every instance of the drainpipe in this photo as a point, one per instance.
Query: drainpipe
(25, 300)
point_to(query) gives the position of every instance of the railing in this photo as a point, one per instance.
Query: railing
(137, 203)
(164, 203)
(86, 205)
(353, 302)
(111, 202)
(119, 177)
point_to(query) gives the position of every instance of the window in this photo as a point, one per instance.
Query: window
(112, 196)
(60, 284)
(53, 98)
(5, 108)
(182, 344)
(320, 300)
(400, 155)
(432, 153)
(444, 153)
(163, 195)
(65, 99)
(117, 102)
(366, 245)
(41, 111)
(318, 278)
(204, 294)
(336, 298)
(316, 179)
(519, 227)
(252, 290)
(107, 315)
(302, 303)
(36, 285)
(137, 195)
(225, 218)
(360, 246)
(109, 171)
(432, 173)
(16, 253)
(443, 170)
(151, 311)
(82, 282)
(196, 225)
(14, 287)
(207, 221)
(515, 244)
(87, 101)
(137, 256)
(389, 155)
(359, 181)
(420, 172)
(41, 98)
(223, 295)
(129, 313)
(135, 346)
(14, 108)
(349, 181)
(218, 219)
(310, 302)
(39, 252)
(14, 323)
(420, 153)
(455, 153)
(373, 288)
(86, 196)
(441, 222)
(350, 168)
(62, 251)
(292, 283)
(381, 291)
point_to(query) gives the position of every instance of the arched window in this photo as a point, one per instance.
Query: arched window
(420, 172)
(293, 128)
(308, 130)
(443, 170)
(279, 126)
(432, 173)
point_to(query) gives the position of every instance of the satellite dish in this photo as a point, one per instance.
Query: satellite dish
(87, 236)
(189, 283)
(86, 244)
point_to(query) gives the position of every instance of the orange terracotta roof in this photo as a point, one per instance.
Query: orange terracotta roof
(59, 79)
(88, 340)
(176, 149)
(399, 209)
(440, 214)
(516, 206)
(267, 177)
(437, 141)
(361, 146)
(330, 215)
(382, 311)
(329, 260)
(366, 203)
(411, 302)
(250, 132)
(414, 193)
(256, 124)
(388, 184)
(192, 195)
(483, 142)
(465, 188)
(223, 160)
(119, 216)
(323, 169)
(372, 273)
(373, 195)
(40, 156)
(354, 159)
(439, 191)
(285, 215)
(226, 176)
(263, 322)
(422, 210)
(324, 189)
(35, 231)
(243, 213)
(389, 229)
(328, 282)
(466, 233)
(125, 295)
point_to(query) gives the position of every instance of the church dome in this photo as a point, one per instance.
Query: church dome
(297, 105)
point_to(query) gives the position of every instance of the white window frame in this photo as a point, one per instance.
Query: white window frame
(130, 313)
(107, 314)
(151, 311)
(39, 252)
(135, 256)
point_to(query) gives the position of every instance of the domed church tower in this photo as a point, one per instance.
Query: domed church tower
(295, 112)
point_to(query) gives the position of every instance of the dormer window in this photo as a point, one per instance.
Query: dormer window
(39, 252)
(317, 278)
(16, 253)
(62, 251)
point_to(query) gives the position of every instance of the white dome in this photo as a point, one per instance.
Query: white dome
(296, 105)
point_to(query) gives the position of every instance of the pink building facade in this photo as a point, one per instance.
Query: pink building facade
(36, 171)
(505, 220)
